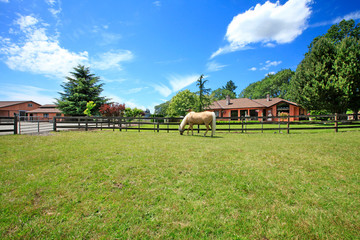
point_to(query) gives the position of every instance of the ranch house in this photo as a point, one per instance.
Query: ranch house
(19, 108)
(255, 108)
(46, 112)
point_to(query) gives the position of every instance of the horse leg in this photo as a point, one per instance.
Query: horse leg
(192, 130)
(207, 129)
(188, 129)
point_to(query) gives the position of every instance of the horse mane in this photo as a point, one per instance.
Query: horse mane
(184, 121)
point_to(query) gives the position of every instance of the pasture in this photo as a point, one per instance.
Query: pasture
(146, 185)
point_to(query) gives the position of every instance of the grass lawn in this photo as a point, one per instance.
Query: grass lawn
(130, 185)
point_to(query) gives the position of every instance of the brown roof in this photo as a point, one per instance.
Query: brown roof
(11, 103)
(247, 103)
(47, 108)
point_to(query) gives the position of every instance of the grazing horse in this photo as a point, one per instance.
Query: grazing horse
(192, 118)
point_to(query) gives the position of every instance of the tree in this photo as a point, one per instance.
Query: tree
(328, 77)
(161, 109)
(89, 106)
(79, 89)
(276, 85)
(181, 103)
(204, 99)
(315, 85)
(347, 66)
(135, 112)
(112, 110)
(221, 93)
(230, 86)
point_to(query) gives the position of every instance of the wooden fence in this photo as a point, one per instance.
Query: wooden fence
(8, 125)
(281, 124)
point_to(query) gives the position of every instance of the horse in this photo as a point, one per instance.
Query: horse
(192, 118)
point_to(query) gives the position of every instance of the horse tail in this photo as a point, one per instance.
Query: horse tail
(213, 123)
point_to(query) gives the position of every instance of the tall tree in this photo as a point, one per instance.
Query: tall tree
(276, 85)
(204, 99)
(80, 88)
(347, 67)
(328, 76)
(221, 93)
(161, 109)
(230, 86)
(181, 103)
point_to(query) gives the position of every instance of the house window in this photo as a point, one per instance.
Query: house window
(46, 115)
(30, 105)
(217, 114)
(234, 114)
(58, 114)
(282, 108)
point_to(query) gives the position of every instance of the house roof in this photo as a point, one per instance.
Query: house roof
(47, 108)
(11, 103)
(247, 103)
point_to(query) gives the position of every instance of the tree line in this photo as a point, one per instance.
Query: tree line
(327, 80)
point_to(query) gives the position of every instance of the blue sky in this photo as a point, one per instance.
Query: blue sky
(147, 51)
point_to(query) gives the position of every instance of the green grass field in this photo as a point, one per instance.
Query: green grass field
(130, 185)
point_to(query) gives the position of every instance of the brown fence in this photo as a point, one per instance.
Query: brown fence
(281, 124)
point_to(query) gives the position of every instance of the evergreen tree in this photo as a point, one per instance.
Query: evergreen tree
(204, 99)
(79, 89)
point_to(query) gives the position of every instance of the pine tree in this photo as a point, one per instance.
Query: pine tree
(79, 89)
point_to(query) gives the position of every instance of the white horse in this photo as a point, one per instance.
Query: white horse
(192, 118)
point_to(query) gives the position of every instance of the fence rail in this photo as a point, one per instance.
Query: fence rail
(8, 125)
(224, 124)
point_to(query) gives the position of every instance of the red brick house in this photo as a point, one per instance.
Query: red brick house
(46, 112)
(20, 108)
(256, 108)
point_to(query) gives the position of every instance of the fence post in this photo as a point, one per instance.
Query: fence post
(120, 123)
(288, 125)
(158, 126)
(86, 123)
(54, 124)
(15, 125)
(38, 125)
(336, 122)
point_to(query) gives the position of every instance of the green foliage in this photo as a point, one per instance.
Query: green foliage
(162, 108)
(276, 85)
(135, 112)
(230, 86)
(204, 99)
(181, 102)
(221, 93)
(89, 106)
(79, 89)
(328, 78)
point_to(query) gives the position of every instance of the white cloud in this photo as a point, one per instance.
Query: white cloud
(25, 92)
(253, 69)
(4, 1)
(177, 82)
(214, 66)
(267, 24)
(353, 15)
(157, 3)
(39, 53)
(269, 64)
(112, 59)
(162, 89)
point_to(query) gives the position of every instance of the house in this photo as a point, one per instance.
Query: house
(46, 112)
(20, 108)
(255, 108)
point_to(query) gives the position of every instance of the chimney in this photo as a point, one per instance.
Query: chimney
(227, 100)
(268, 98)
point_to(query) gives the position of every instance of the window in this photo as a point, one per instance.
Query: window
(30, 105)
(58, 114)
(217, 114)
(46, 115)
